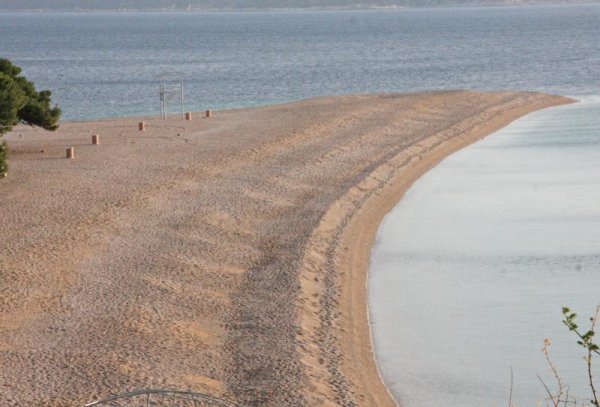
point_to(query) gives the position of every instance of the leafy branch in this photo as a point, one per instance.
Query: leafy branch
(586, 340)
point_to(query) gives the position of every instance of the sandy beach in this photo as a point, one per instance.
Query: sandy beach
(226, 255)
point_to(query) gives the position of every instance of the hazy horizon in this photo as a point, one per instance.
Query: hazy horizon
(166, 5)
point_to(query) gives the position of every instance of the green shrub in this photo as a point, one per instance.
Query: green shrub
(3, 161)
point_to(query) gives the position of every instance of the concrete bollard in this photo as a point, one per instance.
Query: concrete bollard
(70, 152)
(142, 126)
(95, 139)
(188, 116)
(208, 113)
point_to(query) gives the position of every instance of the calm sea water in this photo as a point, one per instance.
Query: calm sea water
(102, 65)
(472, 267)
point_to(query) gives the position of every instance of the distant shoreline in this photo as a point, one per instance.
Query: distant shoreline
(305, 9)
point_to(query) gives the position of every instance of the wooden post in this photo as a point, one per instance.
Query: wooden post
(142, 126)
(208, 113)
(95, 139)
(188, 116)
(70, 152)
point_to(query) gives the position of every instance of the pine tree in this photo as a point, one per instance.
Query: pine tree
(21, 103)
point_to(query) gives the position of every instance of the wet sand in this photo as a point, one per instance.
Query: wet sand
(225, 255)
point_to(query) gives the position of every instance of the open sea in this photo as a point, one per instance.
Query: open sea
(104, 65)
(471, 268)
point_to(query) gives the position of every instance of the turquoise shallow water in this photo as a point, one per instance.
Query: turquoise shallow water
(471, 268)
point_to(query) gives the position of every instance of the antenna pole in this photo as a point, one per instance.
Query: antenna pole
(164, 103)
(163, 113)
(182, 103)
